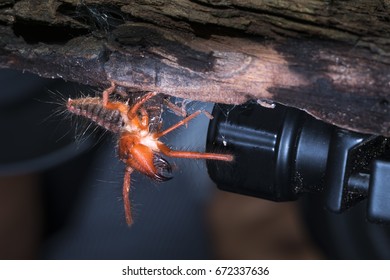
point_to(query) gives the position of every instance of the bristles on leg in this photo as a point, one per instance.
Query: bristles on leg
(126, 196)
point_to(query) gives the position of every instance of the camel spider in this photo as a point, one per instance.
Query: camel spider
(138, 147)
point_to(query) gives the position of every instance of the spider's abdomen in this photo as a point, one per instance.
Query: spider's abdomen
(93, 109)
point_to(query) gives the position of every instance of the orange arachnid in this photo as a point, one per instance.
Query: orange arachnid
(138, 147)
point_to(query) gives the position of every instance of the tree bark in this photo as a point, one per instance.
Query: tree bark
(329, 58)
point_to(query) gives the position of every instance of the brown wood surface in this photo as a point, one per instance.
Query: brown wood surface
(329, 58)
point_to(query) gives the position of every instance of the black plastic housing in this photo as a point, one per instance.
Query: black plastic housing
(272, 160)
(282, 152)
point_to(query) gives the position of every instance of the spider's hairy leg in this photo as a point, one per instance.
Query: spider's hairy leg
(178, 110)
(134, 109)
(126, 195)
(184, 154)
(123, 108)
(180, 123)
(194, 155)
(107, 92)
(144, 118)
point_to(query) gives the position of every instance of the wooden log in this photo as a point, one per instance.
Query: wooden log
(329, 58)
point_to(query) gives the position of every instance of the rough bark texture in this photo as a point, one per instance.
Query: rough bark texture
(329, 58)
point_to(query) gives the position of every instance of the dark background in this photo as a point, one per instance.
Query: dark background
(60, 192)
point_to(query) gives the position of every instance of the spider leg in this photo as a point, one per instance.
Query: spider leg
(195, 155)
(178, 110)
(144, 118)
(180, 123)
(107, 92)
(126, 196)
(133, 110)
(185, 154)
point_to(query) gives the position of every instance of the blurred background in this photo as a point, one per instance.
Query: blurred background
(60, 195)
